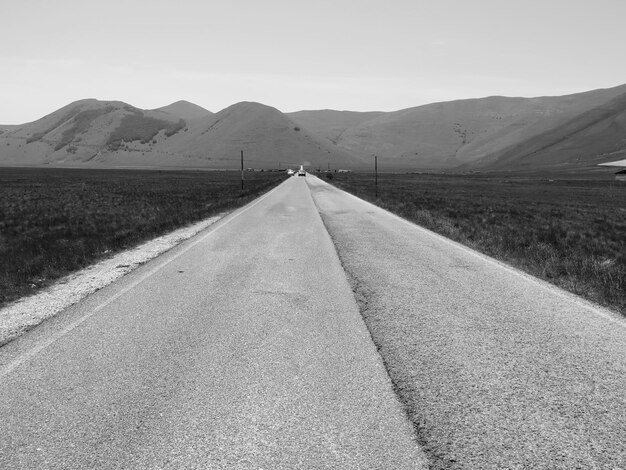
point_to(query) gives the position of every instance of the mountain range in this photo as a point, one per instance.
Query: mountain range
(568, 133)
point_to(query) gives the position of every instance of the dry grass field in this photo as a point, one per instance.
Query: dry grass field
(570, 232)
(54, 221)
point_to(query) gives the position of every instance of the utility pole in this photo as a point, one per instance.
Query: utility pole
(376, 174)
(242, 170)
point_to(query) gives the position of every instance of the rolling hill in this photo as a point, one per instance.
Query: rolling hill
(185, 110)
(268, 138)
(82, 132)
(486, 134)
(452, 134)
(114, 134)
(593, 137)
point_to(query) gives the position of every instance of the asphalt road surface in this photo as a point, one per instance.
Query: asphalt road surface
(244, 348)
(241, 348)
(497, 369)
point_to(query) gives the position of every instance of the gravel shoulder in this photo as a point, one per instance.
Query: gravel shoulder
(24, 314)
(496, 369)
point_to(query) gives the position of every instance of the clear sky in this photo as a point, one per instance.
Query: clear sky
(292, 54)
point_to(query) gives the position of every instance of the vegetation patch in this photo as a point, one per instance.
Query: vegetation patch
(568, 232)
(55, 221)
(82, 122)
(39, 135)
(136, 126)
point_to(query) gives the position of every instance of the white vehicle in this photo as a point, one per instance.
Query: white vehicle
(290, 172)
(301, 171)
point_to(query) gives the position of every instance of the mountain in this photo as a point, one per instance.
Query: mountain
(185, 110)
(92, 133)
(593, 137)
(455, 134)
(83, 131)
(267, 137)
(494, 133)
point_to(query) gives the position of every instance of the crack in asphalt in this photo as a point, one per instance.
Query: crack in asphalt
(363, 295)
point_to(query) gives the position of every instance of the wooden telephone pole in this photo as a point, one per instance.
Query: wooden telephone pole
(376, 175)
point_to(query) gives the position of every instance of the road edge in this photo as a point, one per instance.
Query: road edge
(61, 295)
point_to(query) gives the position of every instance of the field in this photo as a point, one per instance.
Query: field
(54, 221)
(570, 232)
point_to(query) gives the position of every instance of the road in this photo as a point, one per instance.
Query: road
(497, 369)
(241, 348)
(244, 347)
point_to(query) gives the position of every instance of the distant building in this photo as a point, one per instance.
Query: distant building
(620, 175)
(344, 171)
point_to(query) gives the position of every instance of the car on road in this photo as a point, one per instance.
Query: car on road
(301, 171)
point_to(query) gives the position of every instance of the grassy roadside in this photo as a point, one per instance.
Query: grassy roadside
(569, 232)
(55, 221)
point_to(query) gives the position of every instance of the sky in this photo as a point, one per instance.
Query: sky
(358, 55)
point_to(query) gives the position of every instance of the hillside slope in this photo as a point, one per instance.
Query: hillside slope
(593, 137)
(83, 131)
(450, 134)
(329, 123)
